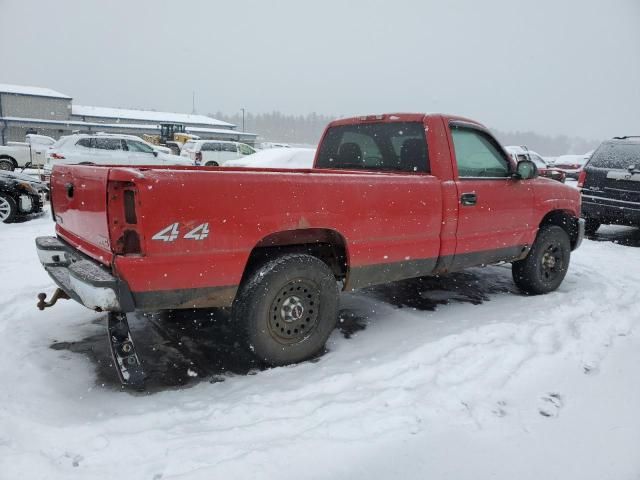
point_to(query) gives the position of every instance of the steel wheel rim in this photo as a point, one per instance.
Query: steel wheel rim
(5, 209)
(5, 166)
(293, 314)
(552, 262)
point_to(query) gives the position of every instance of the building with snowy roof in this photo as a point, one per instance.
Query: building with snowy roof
(44, 111)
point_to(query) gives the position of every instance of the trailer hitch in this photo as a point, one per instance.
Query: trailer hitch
(58, 294)
(123, 351)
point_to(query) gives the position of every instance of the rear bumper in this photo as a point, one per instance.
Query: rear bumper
(605, 210)
(82, 278)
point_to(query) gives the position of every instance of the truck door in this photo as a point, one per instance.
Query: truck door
(495, 212)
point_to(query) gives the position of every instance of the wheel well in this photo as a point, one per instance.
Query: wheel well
(326, 245)
(7, 157)
(565, 220)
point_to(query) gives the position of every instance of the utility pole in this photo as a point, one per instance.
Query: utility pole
(242, 118)
(193, 103)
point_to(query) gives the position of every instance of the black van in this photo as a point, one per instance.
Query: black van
(610, 184)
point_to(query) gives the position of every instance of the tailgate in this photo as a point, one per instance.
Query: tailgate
(79, 203)
(615, 184)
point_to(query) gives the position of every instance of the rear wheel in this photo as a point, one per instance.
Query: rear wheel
(8, 208)
(591, 226)
(287, 309)
(6, 164)
(545, 267)
(211, 164)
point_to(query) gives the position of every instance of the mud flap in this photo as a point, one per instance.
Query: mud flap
(123, 351)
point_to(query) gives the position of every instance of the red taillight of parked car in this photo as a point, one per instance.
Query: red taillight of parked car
(198, 157)
(582, 178)
(57, 156)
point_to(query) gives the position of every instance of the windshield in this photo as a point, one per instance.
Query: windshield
(616, 155)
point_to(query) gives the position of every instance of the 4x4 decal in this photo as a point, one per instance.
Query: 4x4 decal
(172, 232)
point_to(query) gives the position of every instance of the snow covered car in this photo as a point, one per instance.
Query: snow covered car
(20, 195)
(214, 153)
(544, 170)
(284, 157)
(107, 149)
(22, 154)
(610, 184)
(571, 165)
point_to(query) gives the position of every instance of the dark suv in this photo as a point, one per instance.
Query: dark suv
(610, 184)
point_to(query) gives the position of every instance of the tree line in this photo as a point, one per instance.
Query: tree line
(306, 129)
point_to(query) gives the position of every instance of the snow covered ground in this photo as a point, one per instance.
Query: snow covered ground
(459, 377)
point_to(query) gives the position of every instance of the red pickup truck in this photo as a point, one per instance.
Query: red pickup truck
(389, 197)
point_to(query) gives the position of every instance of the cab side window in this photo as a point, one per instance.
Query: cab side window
(246, 149)
(134, 146)
(229, 147)
(477, 155)
(108, 143)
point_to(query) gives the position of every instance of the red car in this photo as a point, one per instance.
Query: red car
(544, 170)
(390, 197)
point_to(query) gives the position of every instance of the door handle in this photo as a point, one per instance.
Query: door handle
(468, 199)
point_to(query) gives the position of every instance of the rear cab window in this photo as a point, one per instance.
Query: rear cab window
(391, 147)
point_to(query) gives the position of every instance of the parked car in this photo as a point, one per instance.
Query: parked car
(214, 153)
(389, 197)
(22, 154)
(571, 165)
(285, 157)
(610, 184)
(20, 194)
(107, 149)
(544, 170)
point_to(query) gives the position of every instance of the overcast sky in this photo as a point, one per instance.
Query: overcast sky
(552, 66)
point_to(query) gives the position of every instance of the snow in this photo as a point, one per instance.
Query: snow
(36, 91)
(284, 157)
(458, 377)
(146, 115)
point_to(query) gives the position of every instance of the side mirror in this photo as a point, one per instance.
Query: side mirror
(155, 153)
(525, 170)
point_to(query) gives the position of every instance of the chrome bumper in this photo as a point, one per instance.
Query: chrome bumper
(83, 279)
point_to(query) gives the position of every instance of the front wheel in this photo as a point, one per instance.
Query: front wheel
(211, 164)
(287, 309)
(545, 267)
(8, 208)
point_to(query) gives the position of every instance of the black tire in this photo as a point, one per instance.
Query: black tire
(211, 164)
(591, 226)
(546, 265)
(287, 308)
(7, 165)
(8, 208)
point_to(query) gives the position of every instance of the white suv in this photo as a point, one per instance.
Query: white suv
(108, 149)
(214, 153)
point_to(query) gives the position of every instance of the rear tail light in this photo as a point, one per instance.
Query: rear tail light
(582, 178)
(123, 218)
(57, 156)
